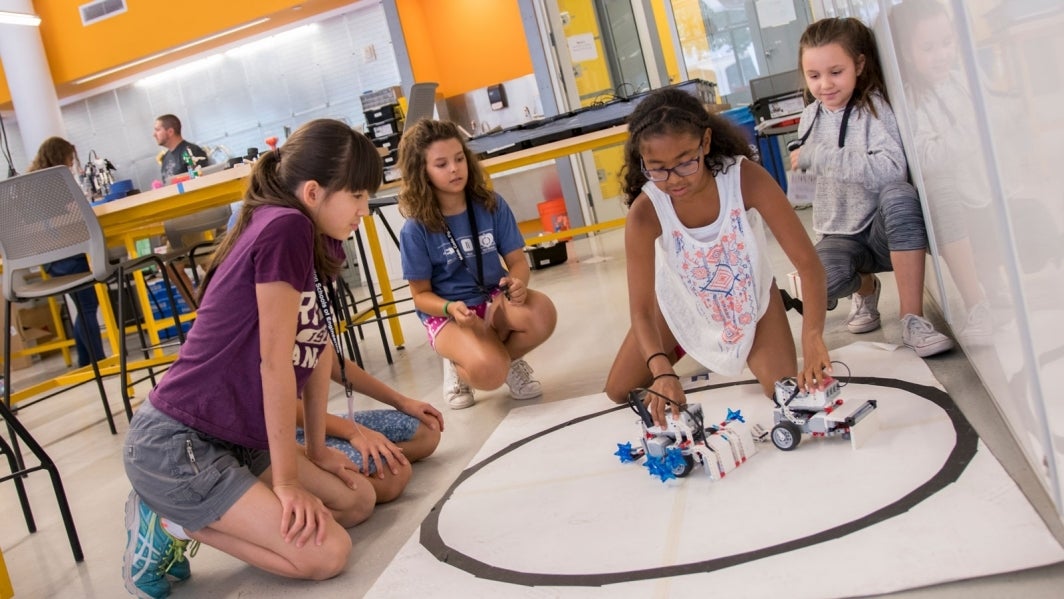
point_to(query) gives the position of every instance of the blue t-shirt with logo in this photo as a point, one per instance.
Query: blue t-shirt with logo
(215, 386)
(429, 256)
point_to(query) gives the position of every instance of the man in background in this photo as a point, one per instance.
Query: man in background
(181, 155)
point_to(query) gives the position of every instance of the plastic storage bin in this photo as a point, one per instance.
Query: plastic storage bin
(767, 149)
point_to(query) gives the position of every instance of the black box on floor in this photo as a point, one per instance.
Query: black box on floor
(547, 254)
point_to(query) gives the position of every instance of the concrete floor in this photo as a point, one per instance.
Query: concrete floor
(591, 296)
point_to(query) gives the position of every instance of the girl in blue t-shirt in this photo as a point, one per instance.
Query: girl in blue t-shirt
(212, 455)
(454, 244)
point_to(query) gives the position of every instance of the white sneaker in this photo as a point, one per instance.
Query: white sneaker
(520, 381)
(456, 393)
(920, 335)
(979, 326)
(864, 310)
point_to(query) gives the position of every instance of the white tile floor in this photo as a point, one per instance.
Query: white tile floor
(591, 295)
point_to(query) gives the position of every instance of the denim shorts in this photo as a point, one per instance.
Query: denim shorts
(393, 424)
(184, 475)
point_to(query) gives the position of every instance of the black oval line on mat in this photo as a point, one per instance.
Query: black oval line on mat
(958, 460)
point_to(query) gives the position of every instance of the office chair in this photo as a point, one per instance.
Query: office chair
(44, 217)
(422, 103)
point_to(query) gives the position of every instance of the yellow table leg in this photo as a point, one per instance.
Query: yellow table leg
(6, 591)
(385, 283)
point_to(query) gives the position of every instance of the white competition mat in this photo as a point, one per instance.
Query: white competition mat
(546, 509)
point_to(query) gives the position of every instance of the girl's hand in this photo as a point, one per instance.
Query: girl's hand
(372, 444)
(461, 314)
(303, 515)
(816, 364)
(794, 159)
(336, 462)
(670, 387)
(517, 291)
(426, 413)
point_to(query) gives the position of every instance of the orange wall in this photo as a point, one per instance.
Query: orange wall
(464, 44)
(147, 27)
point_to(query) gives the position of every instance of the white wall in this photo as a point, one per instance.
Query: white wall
(978, 87)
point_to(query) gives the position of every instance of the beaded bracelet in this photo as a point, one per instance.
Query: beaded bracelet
(654, 355)
(445, 305)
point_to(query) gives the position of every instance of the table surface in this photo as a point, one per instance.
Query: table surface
(125, 216)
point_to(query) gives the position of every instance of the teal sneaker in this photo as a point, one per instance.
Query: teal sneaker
(151, 553)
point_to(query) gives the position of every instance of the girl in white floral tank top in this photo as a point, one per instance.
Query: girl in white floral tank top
(722, 267)
(699, 280)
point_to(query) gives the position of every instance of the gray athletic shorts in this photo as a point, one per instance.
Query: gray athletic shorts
(192, 494)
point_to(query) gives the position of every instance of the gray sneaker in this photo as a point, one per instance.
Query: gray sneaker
(520, 381)
(456, 393)
(920, 335)
(864, 310)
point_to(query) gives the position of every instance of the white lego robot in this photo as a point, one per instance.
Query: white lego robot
(819, 413)
(672, 451)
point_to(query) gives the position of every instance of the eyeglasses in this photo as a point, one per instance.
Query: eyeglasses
(684, 169)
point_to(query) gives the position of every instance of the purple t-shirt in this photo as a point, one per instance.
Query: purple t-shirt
(215, 386)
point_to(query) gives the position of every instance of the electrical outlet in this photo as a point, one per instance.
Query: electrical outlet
(566, 19)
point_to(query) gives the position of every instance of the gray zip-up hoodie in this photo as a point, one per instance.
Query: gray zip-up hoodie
(849, 178)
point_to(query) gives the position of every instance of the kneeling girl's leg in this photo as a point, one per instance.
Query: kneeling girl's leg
(477, 353)
(899, 229)
(845, 258)
(629, 368)
(211, 489)
(773, 355)
(524, 327)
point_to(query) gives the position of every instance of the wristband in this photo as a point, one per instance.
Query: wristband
(664, 375)
(654, 355)
(446, 304)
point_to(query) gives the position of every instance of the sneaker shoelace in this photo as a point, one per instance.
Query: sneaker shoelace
(522, 371)
(175, 554)
(919, 325)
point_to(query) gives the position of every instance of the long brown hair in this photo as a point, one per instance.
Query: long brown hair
(857, 40)
(326, 151)
(54, 151)
(674, 111)
(417, 200)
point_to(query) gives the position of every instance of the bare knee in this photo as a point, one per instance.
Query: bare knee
(391, 486)
(422, 444)
(615, 392)
(488, 371)
(328, 561)
(358, 506)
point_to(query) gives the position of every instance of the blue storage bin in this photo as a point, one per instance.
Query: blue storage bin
(766, 149)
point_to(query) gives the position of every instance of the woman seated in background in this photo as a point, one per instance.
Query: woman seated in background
(56, 151)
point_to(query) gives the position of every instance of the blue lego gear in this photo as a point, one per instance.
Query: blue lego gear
(657, 467)
(735, 415)
(624, 452)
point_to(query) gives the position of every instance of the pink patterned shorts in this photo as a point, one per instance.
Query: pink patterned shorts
(434, 324)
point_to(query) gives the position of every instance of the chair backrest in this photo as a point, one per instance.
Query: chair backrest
(187, 231)
(422, 103)
(44, 217)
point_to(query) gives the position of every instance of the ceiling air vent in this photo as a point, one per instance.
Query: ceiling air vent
(100, 10)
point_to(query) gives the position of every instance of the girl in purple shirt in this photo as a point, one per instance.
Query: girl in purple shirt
(212, 455)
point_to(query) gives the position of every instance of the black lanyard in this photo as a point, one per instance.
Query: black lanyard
(478, 276)
(323, 305)
(842, 129)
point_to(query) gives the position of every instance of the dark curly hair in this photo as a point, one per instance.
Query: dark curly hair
(857, 40)
(417, 200)
(674, 111)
